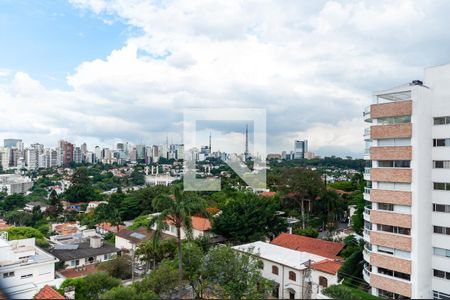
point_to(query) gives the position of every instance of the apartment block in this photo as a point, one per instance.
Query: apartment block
(407, 214)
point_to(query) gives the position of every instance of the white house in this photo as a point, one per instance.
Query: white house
(294, 272)
(25, 268)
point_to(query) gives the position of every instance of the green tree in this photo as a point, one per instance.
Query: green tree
(194, 268)
(81, 189)
(236, 275)
(19, 218)
(308, 231)
(304, 184)
(18, 233)
(357, 218)
(178, 210)
(12, 202)
(137, 178)
(248, 217)
(119, 267)
(161, 281)
(97, 283)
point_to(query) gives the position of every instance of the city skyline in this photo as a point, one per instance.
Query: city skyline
(103, 71)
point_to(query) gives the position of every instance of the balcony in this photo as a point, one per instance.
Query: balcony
(391, 109)
(367, 174)
(366, 194)
(367, 134)
(366, 214)
(391, 131)
(366, 254)
(366, 235)
(366, 273)
(391, 174)
(366, 114)
(391, 153)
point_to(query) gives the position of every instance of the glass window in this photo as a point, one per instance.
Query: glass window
(386, 163)
(439, 121)
(292, 276)
(386, 206)
(438, 273)
(439, 185)
(275, 270)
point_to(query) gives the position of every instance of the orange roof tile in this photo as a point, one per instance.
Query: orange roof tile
(268, 194)
(47, 292)
(109, 227)
(307, 244)
(327, 266)
(200, 223)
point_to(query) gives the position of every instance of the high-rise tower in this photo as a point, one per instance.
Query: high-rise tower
(246, 153)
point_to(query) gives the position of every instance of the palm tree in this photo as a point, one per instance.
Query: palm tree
(178, 210)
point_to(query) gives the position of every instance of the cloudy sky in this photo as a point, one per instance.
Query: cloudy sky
(103, 71)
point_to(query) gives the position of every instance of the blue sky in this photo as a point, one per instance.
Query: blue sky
(48, 39)
(103, 71)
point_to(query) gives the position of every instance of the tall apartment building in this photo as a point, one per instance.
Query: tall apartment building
(300, 148)
(67, 150)
(407, 215)
(77, 155)
(11, 143)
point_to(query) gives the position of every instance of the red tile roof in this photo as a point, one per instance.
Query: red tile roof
(268, 194)
(79, 271)
(199, 223)
(327, 266)
(47, 292)
(307, 244)
(110, 228)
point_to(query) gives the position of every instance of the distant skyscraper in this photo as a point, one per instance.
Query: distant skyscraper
(120, 146)
(84, 148)
(77, 155)
(140, 151)
(11, 143)
(67, 150)
(246, 153)
(300, 147)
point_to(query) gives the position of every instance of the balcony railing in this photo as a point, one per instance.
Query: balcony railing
(367, 190)
(367, 210)
(367, 170)
(366, 111)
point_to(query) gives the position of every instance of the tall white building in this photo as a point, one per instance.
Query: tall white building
(407, 217)
(25, 268)
(32, 158)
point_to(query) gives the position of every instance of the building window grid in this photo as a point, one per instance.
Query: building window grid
(385, 206)
(441, 186)
(292, 276)
(441, 120)
(440, 295)
(393, 273)
(441, 274)
(441, 208)
(394, 163)
(441, 230)
(393, 229)
(441, 252)
(441, 142)
(275, 270)
(441, 164)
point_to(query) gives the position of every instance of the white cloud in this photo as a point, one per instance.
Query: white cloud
(312, 65)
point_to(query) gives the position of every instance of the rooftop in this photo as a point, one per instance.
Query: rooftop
(47, 292)
(320, 247)
(139, 235)
(327, 266)
(83, 250)
(290, 258)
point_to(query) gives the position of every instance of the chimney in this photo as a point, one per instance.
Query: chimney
(95, 242)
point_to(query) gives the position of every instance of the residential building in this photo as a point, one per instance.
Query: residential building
(77, 155)
(407, 216)
(297, 274)
(15, 184)
(105, 228)
(67, 152)
(47, 292)
(11, 143)
(128, 240)
(5, 158)
(25, 268)
(85, 253)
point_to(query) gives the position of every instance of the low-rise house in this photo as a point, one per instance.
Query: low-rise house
(4, 225)
(73, 238)
(85, 253)
(105, 228)
(25, 268)
(129, 239)
(30, 205)
(67, 228)
(72, 206)
(200, 226)
(297, 274)
(94, 204)
(47, 292)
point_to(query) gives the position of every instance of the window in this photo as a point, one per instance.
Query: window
(394, 273)
(441, 164)
(386, 206)
(394, 142)
(26, 276)
(275, 270)
(441, 230)
(394, 186)
(323, 282)
(393, 229)
(394, 120)
(8, 274)
(441, 295)
(441, 120)
(441, 186)
(441, 208)
(292, 276)
(441, 274)
(441, 252)
(441, 142)
(389, 295)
